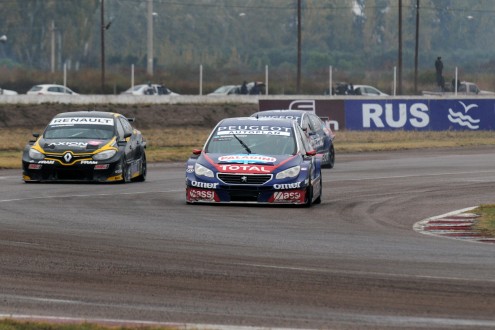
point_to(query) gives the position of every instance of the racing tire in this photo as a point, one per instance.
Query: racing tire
(331, 157)
(318, 200)
(144, 169)
(126, 175)
(309, 195)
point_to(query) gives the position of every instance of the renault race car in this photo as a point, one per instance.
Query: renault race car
(86, 146)
(319, 134)
(255, 160)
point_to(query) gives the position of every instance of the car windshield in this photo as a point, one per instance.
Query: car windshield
(79, 132)
(251, 142)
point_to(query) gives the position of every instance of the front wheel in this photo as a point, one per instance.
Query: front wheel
(142, 176)
(126, 175)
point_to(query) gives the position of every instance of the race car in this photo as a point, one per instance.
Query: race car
(86, 146)
(255, 160)
(317, 131)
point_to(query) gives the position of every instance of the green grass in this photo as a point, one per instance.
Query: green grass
(176, 144)
(486, 221)
(10, 324)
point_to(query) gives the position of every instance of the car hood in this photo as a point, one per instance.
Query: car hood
(74, 145)
(249, 163)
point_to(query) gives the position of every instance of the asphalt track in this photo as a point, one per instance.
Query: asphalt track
(137, 253)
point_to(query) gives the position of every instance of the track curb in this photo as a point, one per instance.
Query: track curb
(460, 224)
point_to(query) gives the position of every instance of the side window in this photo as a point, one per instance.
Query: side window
(301, 136)
(120, 129)
(316, 122)
(126, 125)
(306, 125)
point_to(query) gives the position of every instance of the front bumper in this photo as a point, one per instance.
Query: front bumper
(88, 171)
(243, 194)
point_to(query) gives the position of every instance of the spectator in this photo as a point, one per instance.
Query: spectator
(244, 89)
(439, 70)
(255, 90)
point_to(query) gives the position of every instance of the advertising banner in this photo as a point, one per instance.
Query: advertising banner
(333, 109)
(397, 114)
(420, 114)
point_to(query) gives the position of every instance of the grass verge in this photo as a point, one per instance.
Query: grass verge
(486, 222)
(9, 324)
(176, 144)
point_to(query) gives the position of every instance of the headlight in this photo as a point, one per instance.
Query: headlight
(203, 171)
(105, 155)
(35, 154)
(289, 173)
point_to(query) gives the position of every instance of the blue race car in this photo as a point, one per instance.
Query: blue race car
(318, 132)
(255, 160)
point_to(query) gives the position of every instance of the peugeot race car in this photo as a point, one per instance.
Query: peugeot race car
(251, 160)
(319, 134)
(86, 146)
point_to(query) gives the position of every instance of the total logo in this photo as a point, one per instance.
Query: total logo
(244, 168)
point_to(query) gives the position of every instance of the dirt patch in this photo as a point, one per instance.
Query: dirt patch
(147, 116)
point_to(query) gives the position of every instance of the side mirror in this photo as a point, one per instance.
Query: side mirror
(36, 136)
(197, 151)
(311, 153)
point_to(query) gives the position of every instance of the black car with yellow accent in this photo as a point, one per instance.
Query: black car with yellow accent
(86, 146)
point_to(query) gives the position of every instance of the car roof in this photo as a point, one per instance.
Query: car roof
(101, 114)
(253, 121)
(297, 114)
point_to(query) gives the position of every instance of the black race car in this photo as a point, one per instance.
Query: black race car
(86, 146)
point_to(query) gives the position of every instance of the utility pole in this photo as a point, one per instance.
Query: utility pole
(416, 50)
(52, 60)
(298, 47)
(399, 74)
(102, 12)
(150, 38)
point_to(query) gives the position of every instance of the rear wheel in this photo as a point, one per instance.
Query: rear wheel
(331, 157)
(318, 200)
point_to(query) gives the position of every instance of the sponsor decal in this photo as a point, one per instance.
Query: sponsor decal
(102, 167)
(194, 194)
(247, 159)
(288, 196)
(307, 105)
(208, 185)
(244, 168)
(261, 115)
(94, 143)
(34, 166)
(294, 185)
(190, 169)
(89, 162)
(69, 144)
(253, 129)
(48, 162)
(464, 119)
(81, 121)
